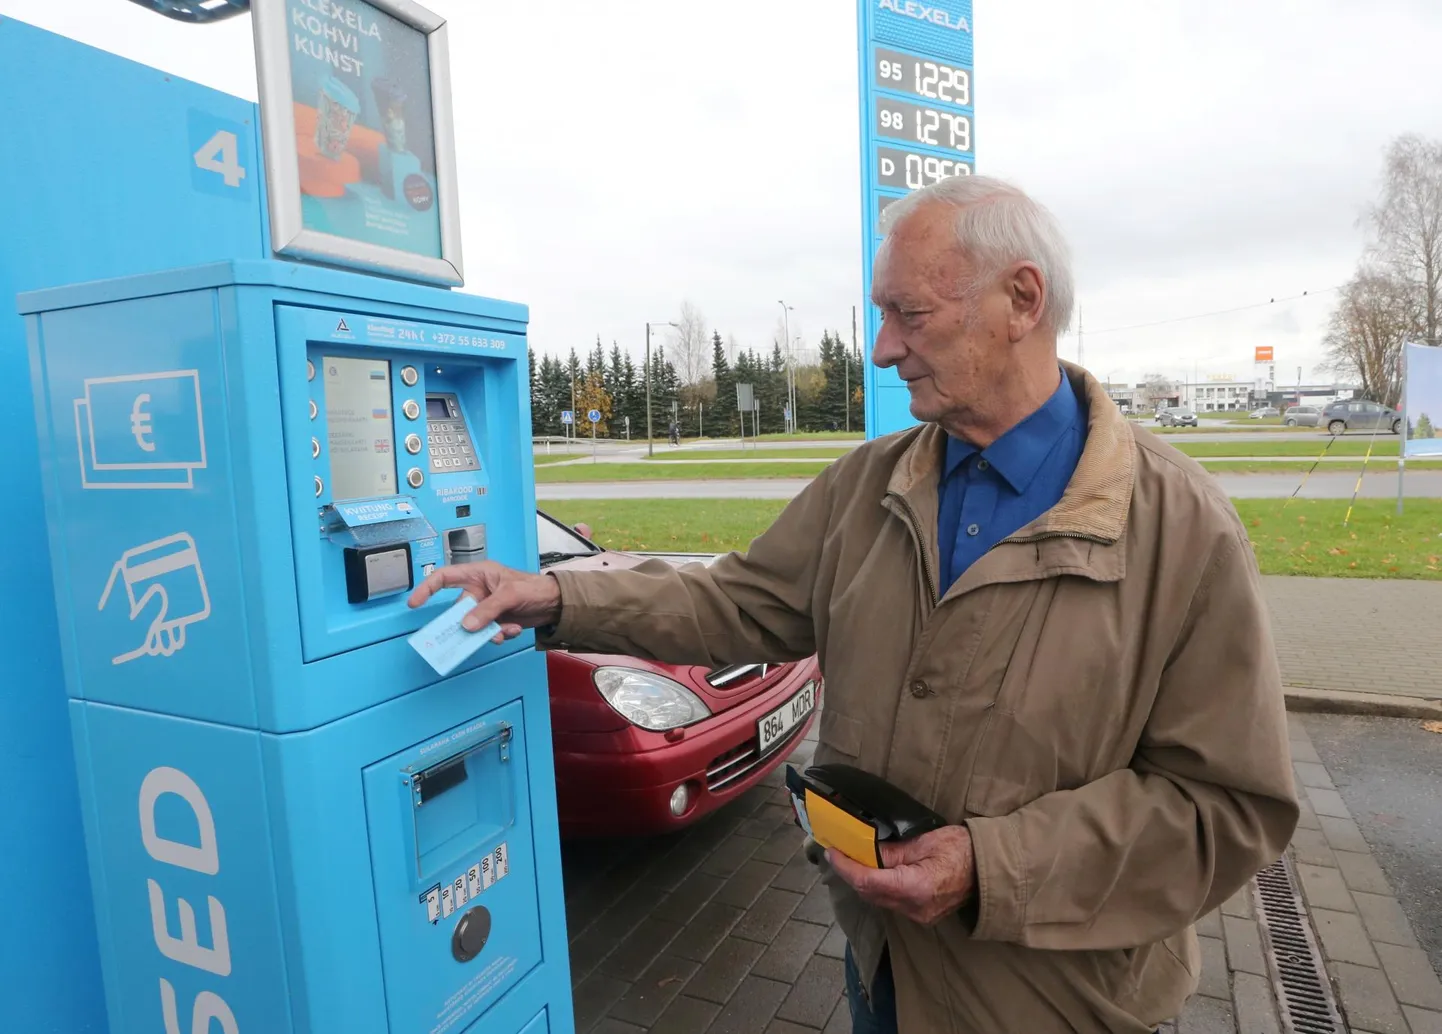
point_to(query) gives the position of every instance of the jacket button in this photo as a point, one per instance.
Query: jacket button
(919, 689)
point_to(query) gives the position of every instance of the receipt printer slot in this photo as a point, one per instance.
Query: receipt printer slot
(377, 571)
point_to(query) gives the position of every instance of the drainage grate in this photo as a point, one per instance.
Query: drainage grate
(1298, 974)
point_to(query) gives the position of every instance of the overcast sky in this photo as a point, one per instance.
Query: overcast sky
(619, 157)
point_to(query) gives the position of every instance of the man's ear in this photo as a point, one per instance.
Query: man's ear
(1026, 291)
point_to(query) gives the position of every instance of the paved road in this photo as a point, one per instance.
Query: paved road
(1420, 485)
(625, 452)
(1388, 771)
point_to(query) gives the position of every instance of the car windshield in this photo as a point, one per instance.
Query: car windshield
(556, 542)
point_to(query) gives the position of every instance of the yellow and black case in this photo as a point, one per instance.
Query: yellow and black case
(855, 812)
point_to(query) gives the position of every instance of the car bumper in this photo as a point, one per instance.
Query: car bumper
(621, 784)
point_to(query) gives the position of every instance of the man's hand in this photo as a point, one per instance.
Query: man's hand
(926, 879)
(514, 599)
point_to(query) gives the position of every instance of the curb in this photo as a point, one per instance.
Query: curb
(1374, 705)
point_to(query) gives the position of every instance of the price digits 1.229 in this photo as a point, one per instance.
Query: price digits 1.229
(926, 79)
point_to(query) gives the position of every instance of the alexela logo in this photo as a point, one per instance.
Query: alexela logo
(923, 13)
(186, 949)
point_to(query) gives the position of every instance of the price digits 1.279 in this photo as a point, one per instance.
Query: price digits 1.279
(926, 125)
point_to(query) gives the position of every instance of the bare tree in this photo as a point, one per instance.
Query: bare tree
(1408, 225)
(1156, 388)
(1377, 313)
(691, 345)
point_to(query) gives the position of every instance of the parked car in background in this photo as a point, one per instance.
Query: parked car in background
(1177, 416)
(1266, 412)
(1358, 415)
(1302, 416)
(642, 747)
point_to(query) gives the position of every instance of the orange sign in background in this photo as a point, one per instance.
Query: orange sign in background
(1264, 353)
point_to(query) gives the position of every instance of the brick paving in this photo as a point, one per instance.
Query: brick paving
(726, 928)
(1358, 634)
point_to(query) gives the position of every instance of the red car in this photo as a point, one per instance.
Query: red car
(644, 748)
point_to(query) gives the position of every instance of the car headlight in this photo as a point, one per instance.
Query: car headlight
(649, 700)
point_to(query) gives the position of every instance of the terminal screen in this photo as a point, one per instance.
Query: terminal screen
(358, 416)
(436, 408)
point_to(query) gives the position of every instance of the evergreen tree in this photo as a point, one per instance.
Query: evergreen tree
(665, 391)
(857, 387)
(574, 375)
(725, 418)
(744, 372)
(596, 361)
(553, 394)
(635, 394)
(832, 409)
(534, 389)
(1424, 428)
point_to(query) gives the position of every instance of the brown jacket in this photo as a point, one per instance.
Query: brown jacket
(1097, 698)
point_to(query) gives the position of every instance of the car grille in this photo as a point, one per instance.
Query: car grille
(732, 675)
(741, 761)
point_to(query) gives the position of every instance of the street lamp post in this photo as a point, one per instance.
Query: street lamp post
(786, 311)
(651, 445)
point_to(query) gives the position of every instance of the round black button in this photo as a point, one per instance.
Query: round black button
(919, 688)
(471, 934)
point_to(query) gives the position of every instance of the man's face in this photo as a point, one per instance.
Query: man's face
(951, 348)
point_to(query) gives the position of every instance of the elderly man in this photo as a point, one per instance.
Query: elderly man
(1040, 621)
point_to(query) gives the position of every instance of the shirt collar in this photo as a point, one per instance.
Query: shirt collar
(1019, 453)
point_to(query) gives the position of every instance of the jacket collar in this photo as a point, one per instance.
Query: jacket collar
(1093, 508)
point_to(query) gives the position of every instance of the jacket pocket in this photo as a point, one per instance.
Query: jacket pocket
(838, 738)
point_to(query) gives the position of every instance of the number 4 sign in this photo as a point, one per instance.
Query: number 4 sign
(221, 154)
(220, 157)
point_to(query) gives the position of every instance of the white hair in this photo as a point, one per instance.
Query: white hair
(997, 225)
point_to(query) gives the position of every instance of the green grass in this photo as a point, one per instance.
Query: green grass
(676, 471)
(1384, 445)
(1307, 537)
(815, 436)
(557, 457)
(815, 452)
(1304, 537)
(680, 525)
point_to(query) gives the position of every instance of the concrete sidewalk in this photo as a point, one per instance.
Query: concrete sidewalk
(1355, 641)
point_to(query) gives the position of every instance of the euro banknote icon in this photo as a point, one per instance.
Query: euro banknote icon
(141, 430)
(166, 573)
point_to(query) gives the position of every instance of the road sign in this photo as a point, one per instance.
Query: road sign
(744, 397)
(567, 417)
(594, 416)
(918, 107)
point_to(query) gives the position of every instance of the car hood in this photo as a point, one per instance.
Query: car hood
(721, 687)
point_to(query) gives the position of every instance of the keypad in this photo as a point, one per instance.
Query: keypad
(450, 447)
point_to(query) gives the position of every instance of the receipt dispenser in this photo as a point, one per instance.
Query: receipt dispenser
(292, 823)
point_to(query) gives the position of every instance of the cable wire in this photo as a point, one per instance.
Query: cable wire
(1219, 312)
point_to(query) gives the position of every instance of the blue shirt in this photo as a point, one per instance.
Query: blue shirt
(988, 494)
